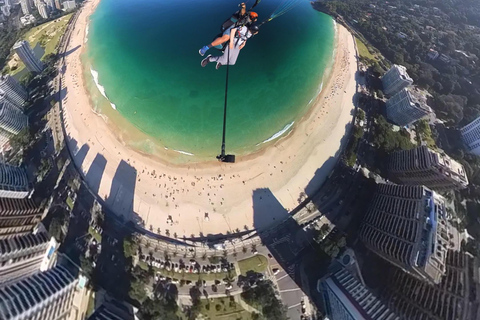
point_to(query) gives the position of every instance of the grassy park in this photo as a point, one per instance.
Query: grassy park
(363, 50)
(224, 308)
(257, 263)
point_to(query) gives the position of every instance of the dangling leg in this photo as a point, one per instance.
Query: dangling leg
(224, 38)
(205, 61)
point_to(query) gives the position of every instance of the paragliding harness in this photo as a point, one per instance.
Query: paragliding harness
(235, 21)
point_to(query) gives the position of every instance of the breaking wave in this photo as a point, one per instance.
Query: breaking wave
(278, 134)
(184, 152)
(100, 87)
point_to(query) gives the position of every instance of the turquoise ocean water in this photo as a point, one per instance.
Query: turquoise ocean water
(144, 54)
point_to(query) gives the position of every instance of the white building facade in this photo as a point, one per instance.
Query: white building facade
(471, 136)
(69, 5)
(14, 182)
(42, 9)
(22, 256)
(23, 50)
(12, 91)
(11, 118)
(346, 298)
(407, 107)
(26, 8)
(46, 295)
(395, 80)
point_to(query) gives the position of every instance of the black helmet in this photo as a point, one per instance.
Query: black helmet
(253, 28)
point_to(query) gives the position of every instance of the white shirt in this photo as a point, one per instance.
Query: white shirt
(242, 35)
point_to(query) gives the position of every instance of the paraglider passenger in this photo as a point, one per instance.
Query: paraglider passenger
(238, 19)
(238, 39)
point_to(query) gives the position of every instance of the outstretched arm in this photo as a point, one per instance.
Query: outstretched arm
(243, 9)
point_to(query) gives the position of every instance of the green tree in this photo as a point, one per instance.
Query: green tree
(22, 140)
(264, 295)
(55, 229)
(137, 290)
(155, 309)
(130, 247)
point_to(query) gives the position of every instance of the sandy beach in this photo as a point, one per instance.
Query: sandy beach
(255, 192)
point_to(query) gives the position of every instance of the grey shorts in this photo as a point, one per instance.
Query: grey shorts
(227, 31)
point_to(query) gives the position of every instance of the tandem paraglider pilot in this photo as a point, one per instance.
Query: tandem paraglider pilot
(238, 39)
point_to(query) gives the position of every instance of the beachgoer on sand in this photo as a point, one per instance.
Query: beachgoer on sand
(239, 19)
(238, 39)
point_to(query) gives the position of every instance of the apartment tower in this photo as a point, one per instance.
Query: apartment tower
(18, 217)
(407, 107)
(454, 298)
(47, 295)
(346, 298)
(14, 182)
(23, 50)
(406, 226)
(26, 7)
(471, 136)
(43, 10)
(395, 80)
(21, 256)
(12, 91)
(424, 166)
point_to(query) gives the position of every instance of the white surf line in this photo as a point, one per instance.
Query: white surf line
(100, 87)
(278, 134)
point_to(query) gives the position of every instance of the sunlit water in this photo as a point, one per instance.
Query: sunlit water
(142, 60)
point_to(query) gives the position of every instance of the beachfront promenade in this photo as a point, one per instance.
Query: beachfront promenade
(202, 199)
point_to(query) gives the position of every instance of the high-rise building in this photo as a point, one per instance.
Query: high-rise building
(407, 106)
(11, 118)
(346, 298)
(395, 80)
(8, 3)
(23, 50)
(18, 217)
(6, 10)
(26, 7)
(69, 5)
(406, 225)
(47, 295)
(42, 9)
(12, 91)
(455, 298)
(58, 4)
(22, 256)
(113, 309)
(50, 4)
(471, 136)
(14, 182)
(424, 166)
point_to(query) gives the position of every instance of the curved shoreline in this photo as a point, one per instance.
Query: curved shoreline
(253, 193)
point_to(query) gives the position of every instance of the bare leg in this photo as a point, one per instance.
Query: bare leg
(220, 40)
